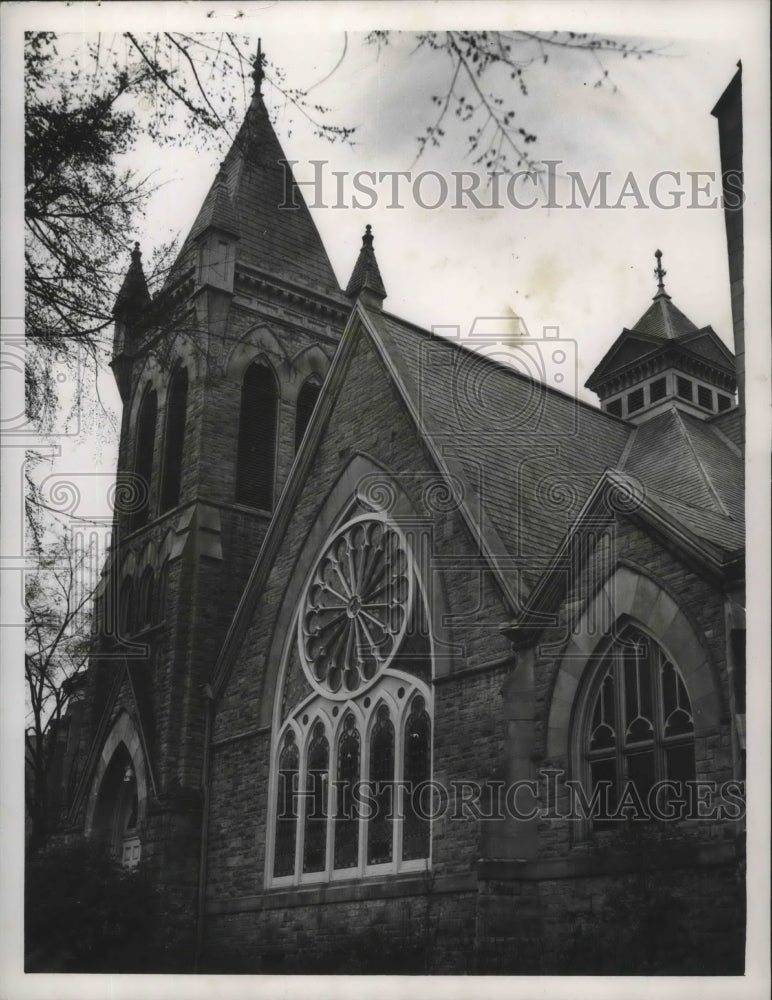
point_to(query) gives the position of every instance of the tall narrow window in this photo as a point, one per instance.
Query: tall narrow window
(346, 815)
(315, 840)
(307, 397)
(146, 605)
(159, 608)
(640, 728)
(126, 616)
(415, 835)
(143, 456)
(286, 808)
(176, 409)
(380, 827)
(257, 438)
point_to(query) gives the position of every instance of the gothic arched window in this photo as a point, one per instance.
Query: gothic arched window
(286, 807)
(126, 609)
(380, 827)
(315, 800)
(359, 744)
(159, 610)
(418, 730)
(146, 604)
(638, 728)
(346, 819)
(176, 411)
(307, 397)
(256, 467)
(143, 455)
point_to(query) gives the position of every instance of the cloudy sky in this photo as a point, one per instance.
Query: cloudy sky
(585, 270)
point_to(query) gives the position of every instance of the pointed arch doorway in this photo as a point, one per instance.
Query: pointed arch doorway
(118, 800)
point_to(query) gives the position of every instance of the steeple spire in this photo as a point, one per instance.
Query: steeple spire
(133, 296)
(258, 74)
(659, 274)
(366, 278)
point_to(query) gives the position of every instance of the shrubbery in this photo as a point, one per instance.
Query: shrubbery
(85, 913)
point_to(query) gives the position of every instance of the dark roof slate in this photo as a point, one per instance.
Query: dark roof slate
(274, 237)
(664, 320)
(693, 472)
(529, 454)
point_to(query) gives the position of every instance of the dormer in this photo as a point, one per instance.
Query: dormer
(216, 232)
(665, 361)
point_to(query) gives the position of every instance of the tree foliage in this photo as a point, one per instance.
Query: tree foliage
(57, 598)
(85, 110)
(486, 80)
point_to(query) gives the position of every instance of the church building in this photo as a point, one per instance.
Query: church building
(406, 661)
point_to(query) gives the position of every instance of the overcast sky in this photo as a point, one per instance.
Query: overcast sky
(587, 271)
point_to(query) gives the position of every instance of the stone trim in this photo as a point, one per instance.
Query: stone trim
(625, 597)
(123, 732)
(686, 855)
(351, 891)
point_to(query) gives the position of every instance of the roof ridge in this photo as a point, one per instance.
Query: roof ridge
(700, 465)
(414, 327)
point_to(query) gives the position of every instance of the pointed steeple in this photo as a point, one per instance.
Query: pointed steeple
(365, 280)
(255, 196)
(133, 296)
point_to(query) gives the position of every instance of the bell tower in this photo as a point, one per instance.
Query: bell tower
(665, 362)
(218, 375)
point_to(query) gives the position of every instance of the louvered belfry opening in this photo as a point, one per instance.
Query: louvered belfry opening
(307, 397)
(175, 439)
(143, 455)
(257, 438)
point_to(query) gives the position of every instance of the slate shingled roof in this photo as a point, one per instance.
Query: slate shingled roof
(281, 241)
(531, 455)
(664, 320)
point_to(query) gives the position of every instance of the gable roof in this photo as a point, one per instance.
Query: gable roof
(527, 460)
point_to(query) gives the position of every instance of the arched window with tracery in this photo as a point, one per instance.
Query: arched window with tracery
(380, 828)
(354, 730)
(348, 773)
(315, 801)
(174, 444)
(256, 462)
(638, 729)
(143, 455)
(286, 806)
(307, 397)
(418, 730)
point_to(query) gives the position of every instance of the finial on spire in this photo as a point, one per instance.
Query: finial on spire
(659, 274)
(136, 253)
(366, 279)
(258, 74)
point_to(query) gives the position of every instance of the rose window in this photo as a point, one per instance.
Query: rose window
(356, 606)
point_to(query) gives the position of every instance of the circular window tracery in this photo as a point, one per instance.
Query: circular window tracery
(356, 606)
